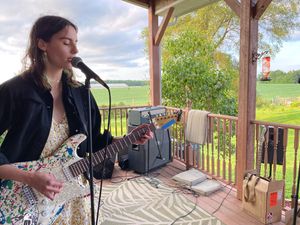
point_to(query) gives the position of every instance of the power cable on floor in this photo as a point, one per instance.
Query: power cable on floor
(231, 186)
(193, 209)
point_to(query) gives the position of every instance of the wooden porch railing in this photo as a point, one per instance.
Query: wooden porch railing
(282, 162)
(217, 157)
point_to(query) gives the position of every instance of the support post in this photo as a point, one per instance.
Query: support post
(247, 92)
(154, 57)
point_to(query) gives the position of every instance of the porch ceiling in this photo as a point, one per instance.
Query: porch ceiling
(181, 7)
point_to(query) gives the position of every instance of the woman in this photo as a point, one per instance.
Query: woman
(44, 106)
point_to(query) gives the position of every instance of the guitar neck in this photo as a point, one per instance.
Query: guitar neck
(260, 147)
(82, 165)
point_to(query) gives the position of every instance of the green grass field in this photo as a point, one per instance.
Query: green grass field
(280, 114)
(287, 114)
(270, 91)
(139, 95)
(129, 96)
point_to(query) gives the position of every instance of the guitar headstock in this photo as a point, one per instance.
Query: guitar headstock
(164, 122)
(158, 122)
(262, 135)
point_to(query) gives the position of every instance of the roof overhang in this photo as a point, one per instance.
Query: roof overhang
(141, 3)
(181, 7)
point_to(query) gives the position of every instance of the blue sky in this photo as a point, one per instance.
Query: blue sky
(109, 36)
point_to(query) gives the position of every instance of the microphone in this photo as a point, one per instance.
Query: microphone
(78, 63)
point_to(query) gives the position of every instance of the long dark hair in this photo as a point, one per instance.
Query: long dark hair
(44, 28)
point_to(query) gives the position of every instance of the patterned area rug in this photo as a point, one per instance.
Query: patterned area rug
(146, 201)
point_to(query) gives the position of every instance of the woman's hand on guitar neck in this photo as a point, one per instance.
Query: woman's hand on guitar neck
(45, 183)
(145, 137)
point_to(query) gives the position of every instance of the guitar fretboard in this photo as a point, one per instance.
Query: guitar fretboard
(82, 165)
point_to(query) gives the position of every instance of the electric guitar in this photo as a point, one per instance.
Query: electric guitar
(23, 205)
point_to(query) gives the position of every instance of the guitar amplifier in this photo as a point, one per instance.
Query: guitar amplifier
(139, 116)
(151, 155)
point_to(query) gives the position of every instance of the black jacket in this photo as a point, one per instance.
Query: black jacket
(26, 115)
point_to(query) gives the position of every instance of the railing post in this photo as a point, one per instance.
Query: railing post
(187, 145)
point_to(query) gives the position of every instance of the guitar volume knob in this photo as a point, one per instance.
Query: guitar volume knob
(44, 213)
(44, 202)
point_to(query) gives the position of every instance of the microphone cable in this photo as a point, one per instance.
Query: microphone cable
(105, 154)
(159, 155)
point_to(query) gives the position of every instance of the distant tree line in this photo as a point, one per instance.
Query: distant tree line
(129, 82)
(281, 77)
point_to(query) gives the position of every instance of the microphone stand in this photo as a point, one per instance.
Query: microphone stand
(295, 197)
(77, 63)
(90, 151)
(105, 151)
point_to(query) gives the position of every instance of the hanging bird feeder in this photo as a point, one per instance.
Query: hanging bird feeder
(266, 64)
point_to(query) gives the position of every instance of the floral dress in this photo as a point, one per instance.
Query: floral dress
(77, 211)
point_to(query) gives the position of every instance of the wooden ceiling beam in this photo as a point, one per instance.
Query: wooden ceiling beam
(260, 8)
(163, 26)
(235, 6)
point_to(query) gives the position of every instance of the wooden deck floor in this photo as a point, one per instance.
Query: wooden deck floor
(223, 204)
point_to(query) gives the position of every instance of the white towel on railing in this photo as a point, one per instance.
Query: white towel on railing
(196, 128)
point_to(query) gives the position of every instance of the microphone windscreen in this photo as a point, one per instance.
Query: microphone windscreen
(75, 61)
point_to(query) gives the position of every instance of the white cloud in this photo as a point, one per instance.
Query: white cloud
(109, 34)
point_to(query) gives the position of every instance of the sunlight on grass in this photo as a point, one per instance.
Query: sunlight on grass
(279, 114)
